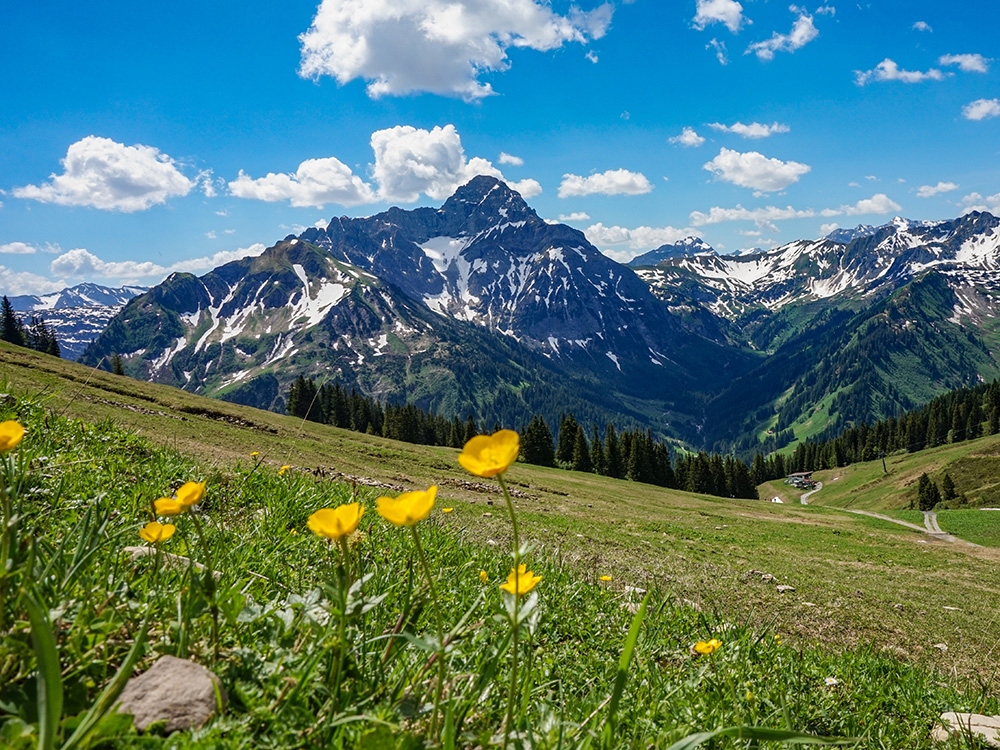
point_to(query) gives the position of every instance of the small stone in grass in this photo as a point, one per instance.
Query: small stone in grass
(178, 693)
(988, 727)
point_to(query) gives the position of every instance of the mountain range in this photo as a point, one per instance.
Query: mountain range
(482, 307)
(77, 315)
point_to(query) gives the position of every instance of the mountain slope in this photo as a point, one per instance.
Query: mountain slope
(245, 331)
(477, 306)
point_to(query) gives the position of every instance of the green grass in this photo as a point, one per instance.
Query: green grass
(977, 526)
(860, 585)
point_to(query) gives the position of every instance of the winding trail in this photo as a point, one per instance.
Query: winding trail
(930, 526)
(806, 495)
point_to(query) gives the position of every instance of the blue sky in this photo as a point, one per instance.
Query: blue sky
(136, 140)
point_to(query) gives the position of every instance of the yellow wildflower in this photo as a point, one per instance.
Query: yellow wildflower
(409, 508)
(520, 581)
(11, 433)
(255, 453)
(447, 510)
(190, 493)
(489, 455)
(283, 469)
(168, 506)
(484, 576)
(154, 531)
(605, 578)
(336, 523)
(708, 647)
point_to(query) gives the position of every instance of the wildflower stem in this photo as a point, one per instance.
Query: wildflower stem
(209, 583)
(512, 689)
(440, 629)
(513, 521)
(4, 549)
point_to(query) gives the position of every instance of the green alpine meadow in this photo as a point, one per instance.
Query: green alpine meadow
(347, 590)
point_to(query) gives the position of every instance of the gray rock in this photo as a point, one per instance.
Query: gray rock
(782, 589)
(988, 727)
(180, 693)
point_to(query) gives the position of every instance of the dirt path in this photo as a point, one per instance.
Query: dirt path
(930, 526)
(930, 521)
(805, 497)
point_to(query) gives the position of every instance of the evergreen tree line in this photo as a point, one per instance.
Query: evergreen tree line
(929, 494)
(631, 454)
(963, 414)
(35, 335)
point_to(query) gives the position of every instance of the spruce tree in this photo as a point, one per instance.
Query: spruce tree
(116, 365)
(11, 328)
(536, 443)
(948, 488)
(567, 439)
(470, 429)
(612, 454)
(581, 452)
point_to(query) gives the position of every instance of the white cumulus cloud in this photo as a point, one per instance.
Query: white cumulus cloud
(929, 191)
(688, 138)
(922, 26)
(632, 241)
(967, 63)
(101, 173)
(611, 182)
(981, 109)
(754, 170)
(575, 216)
(762, 216)
(20, 282)
(410, 161)
(17, 248)
(82, 264)
(889, 70)
(880, 203)
(976, 202)
(514, 161)
(728, 12)
(752, 130)
(315, 183)
(803, 31)
(437, 46)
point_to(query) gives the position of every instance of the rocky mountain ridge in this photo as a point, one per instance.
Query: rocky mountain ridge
(481, 306)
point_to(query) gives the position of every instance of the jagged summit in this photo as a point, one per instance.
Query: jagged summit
(687, 246)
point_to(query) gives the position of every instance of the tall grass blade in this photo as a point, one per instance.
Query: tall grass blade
(623, 664)
(106, 700)
(50, 688)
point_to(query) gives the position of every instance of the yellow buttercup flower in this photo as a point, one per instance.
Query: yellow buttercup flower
(484, 576)
(255, 453)
(520, 581)
(190, 493)
(605, 578)
(11, 433)
(336, 523)
(154, 531)
(409, 508)
(283, 469)
(708, 647)
(447, 510)
(168, 506)
(489, 455)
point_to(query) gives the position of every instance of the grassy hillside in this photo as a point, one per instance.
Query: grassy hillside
(702, 548)
(860, 584)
